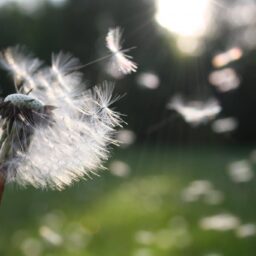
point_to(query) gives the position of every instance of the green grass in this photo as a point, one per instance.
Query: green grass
(142, 214)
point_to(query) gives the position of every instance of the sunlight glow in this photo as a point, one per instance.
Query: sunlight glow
(30, 6)
(183, 17)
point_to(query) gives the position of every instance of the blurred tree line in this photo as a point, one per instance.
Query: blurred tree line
(79, 27)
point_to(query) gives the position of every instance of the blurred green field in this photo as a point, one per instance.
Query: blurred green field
(147, 212)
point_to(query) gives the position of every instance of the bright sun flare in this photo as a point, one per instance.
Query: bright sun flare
(187, 18)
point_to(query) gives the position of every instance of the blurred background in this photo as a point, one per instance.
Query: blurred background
(182, 181)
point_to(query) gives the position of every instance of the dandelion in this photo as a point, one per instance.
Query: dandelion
(119, 59)
(53, 132)
(196, 112)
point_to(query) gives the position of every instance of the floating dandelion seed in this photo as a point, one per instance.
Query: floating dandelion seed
(246, 230)
(32, 247)
(224, 80)
(125, 138)
(50, 236)
(120, 60)
(53, 133)
(240, 171)
(119, 168)
(202, 189)
(220, 222)
(196, 112)
(213, 254)
(144, 237)
(148, 80)
(225, 125)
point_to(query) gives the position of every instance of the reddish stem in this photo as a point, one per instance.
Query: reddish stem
(2, 184)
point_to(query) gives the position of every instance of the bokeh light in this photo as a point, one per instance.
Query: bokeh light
(184, 17)
(189, 20)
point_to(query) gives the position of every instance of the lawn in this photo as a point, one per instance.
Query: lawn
(170, 202)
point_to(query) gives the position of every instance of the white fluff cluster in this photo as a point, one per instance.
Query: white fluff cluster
(21, 64)
(81, 128)
(120, 60)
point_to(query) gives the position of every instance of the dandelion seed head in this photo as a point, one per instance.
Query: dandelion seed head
(58, 133)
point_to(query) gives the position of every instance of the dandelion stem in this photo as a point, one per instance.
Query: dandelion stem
(5, 144)
(2, 185)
